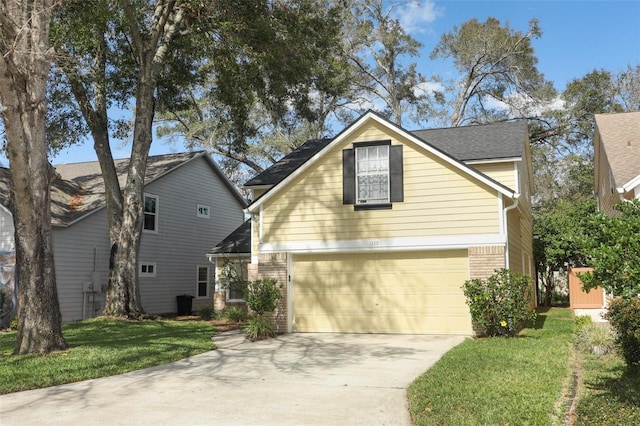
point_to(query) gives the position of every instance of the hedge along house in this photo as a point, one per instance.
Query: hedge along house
(188, 202)
(376, 230)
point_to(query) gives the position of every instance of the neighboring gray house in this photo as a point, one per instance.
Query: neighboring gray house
(188, 203)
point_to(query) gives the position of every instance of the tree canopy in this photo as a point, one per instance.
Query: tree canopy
(614, 252)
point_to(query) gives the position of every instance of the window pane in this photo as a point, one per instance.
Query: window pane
(149, 222)
(203, 274)
(202, 289)
(149, 205)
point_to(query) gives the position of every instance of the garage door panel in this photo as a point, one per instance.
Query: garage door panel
(413, 292)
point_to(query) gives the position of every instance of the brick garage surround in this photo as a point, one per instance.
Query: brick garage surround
(484, 260)
(273, 265)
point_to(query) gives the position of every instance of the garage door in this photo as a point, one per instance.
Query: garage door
(409, 292)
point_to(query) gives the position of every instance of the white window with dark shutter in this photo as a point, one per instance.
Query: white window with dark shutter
(372, 175)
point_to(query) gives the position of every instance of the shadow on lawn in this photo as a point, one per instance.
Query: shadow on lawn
(616, 390)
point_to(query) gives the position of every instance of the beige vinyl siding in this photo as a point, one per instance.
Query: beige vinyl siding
(605, 186)
(500, 172)
(438, 200)
(411, 292)
(515, 245)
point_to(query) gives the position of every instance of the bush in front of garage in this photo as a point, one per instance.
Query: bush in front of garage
(500, 304)
(261, 297)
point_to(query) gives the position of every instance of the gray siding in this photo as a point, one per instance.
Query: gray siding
(6, 231)
(177, 249)
(78, 250)
(182, 240)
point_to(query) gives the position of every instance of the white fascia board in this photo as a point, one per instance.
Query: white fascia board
(631, 184)
(355, 126)
(492, 161)
(385, 244)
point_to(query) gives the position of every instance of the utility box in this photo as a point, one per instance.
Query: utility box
(185, 303)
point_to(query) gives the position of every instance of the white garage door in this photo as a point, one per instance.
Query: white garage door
(402, 292)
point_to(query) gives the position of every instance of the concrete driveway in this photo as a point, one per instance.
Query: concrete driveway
(296, 379)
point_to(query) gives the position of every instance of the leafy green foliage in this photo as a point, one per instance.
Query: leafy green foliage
(614, 252)
(501, 303)
(596, 338)
(206, 312)
(234, 313)
(495, 62)
(624, 316)
(562, 230)
(582, 321)
(263, 294)
(258, 328)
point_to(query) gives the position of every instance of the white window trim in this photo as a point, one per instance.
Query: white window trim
(376, 201)
(207, 295)
(203, 206)
(157, 213)
(147, 274)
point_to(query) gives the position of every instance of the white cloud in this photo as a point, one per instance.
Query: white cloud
(415, 14)
(428, 87)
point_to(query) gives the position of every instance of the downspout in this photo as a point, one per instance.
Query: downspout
(516, 199)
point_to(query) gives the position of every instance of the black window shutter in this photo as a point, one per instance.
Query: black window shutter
(348, 176)
(396, 173)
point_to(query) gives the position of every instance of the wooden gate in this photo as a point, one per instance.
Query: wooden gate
(578, 298)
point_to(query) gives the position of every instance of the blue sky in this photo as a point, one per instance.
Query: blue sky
(578, 37)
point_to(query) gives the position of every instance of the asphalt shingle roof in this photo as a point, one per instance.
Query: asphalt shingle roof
(79, 189)
(620, 136)
(238, 242)
(468, 143)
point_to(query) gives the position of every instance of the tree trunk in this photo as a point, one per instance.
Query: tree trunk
(123, 295)
(24, 68)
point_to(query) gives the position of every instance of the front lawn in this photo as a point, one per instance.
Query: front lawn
(609, 393)
(103, 347)
(500, 381)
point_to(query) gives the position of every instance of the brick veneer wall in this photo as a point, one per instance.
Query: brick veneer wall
(484, 260)
(274, 266)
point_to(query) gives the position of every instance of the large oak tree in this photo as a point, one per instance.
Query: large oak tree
(24, 66)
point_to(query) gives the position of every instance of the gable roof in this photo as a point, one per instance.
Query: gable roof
(620, 138)
(238, 242)
(290, 169)
(79, 190)
(497, 141)
(480, 142)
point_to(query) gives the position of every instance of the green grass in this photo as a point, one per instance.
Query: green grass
(609, 393)
(500, 381)
(102, 347)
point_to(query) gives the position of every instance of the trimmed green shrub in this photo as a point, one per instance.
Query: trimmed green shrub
(581, 321)
(595, 338)
(234, 313)
(624, 316)
(206, 312)
(262, 295)
(258, 328)
(501, 303)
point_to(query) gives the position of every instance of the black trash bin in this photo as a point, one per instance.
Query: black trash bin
(185, 302)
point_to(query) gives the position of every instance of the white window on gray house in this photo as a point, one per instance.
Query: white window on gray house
(372, 174)
(203, 281)
(147, 269)
(202, 211)
(150, 213)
